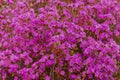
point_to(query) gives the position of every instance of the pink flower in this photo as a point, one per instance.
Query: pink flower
(47, 78)
(62, 73)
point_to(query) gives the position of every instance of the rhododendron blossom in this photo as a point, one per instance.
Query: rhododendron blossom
(59, 40)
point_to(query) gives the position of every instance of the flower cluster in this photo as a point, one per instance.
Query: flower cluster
(59, 39)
